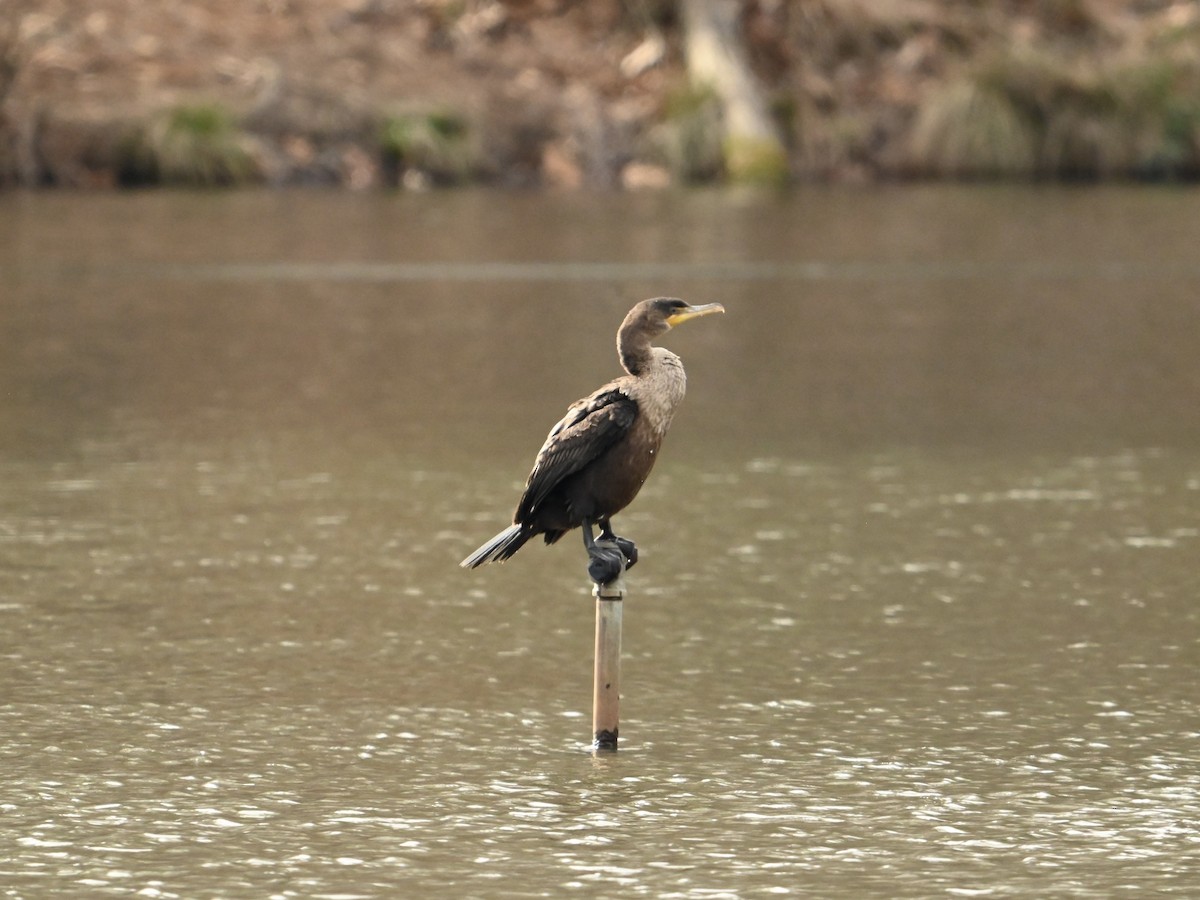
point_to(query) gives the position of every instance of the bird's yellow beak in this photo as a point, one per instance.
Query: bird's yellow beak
(694, 312)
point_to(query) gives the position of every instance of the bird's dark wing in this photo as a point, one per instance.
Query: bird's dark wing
(590, 427)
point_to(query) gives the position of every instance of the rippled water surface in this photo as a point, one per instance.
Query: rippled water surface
(916, 612)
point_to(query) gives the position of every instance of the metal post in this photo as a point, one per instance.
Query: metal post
(606, 684)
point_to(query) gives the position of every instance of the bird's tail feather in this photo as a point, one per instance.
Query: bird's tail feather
(499, 548)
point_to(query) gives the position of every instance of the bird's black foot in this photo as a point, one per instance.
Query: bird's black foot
(628, 547)
(628, 550)
(605, 564)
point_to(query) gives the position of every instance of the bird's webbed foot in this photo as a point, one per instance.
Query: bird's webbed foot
(628, 548)
(605, 564)
(608, 557)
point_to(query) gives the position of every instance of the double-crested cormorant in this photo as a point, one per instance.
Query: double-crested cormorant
(597, 457)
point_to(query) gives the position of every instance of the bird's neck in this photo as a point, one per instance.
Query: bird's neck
(636, 352)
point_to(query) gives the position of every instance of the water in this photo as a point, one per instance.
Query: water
(915, 614)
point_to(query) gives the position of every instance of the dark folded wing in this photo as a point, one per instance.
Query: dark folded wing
(590, 427)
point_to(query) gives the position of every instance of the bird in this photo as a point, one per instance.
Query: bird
(597, 457)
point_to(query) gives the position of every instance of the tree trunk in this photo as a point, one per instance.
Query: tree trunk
(717, 61)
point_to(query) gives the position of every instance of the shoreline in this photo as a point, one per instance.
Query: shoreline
(416, 94)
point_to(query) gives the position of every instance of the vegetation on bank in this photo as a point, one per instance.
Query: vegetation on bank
(418, 93)
(1027, 112)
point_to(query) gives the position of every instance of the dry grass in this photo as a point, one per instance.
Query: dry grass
(969, 130)
(689, 138)
(195, 146)
(436, 146)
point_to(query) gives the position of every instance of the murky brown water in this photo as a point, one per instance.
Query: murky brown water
(916, 614)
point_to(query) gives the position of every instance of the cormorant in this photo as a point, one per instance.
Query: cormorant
(595, 460)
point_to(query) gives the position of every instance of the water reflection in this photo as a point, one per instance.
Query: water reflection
(914, 615)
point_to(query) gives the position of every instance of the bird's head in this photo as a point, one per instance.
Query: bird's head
(659, 315)
(647, 321)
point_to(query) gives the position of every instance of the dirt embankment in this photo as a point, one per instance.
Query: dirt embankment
(367, 93)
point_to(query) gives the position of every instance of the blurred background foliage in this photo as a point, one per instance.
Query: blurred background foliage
(603, 94)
